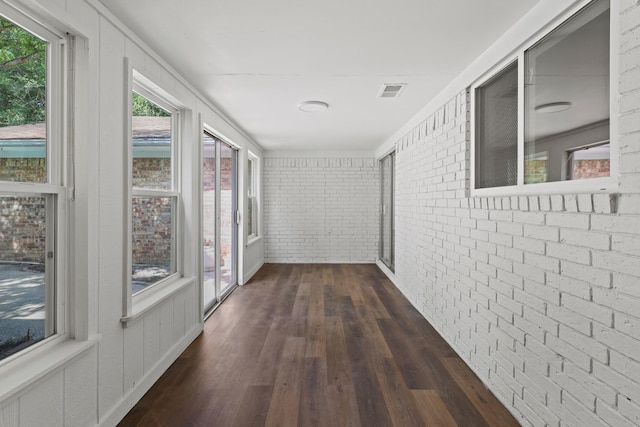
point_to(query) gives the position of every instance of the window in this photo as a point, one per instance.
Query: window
(32, 185)
(561, 130)
(387, 222)
(154, 201)
(252, 196)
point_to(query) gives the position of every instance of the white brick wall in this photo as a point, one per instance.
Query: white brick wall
(539, 294)
(321, 209)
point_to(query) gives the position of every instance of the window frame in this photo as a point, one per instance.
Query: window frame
(252, 198)
(592, 185)
(488, 77)
(392, 156)
(57, 190)
(136, 304)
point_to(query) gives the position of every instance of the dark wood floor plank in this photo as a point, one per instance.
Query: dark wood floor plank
(350, 320)
(265, 369)
(434, 411)
(371, 404)
(373, 302)
(313, 404)
(338, 366)
(377, 344)
(300, 312)
(231, 375)
(331, 307)
(430, 337)
(315, 335)
(402, 407)
(173, 387)
(477, 393)
(257, 398)
(355, 292)
(341, 279)
(394, 302)
(423, 370)
(326, 345)
(284, 405)
(327, 274)
(417, 368)
(340, 392)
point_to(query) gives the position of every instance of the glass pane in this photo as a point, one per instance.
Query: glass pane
(567, 97)
(209, 218)
(386, 217)
(496, 130)
(589, 162)
(535, 167)
(250, 182)
(251, 200)
(154, 255)
(250, 213)
(23, 78)
(151, 128)
(23, 293)
(227, 217)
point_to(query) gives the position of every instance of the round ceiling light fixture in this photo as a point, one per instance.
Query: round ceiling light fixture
(553, 107)
(313, 106)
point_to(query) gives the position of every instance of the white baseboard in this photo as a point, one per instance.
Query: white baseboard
(249, 274)
(387, 272)
(130, 399)
(316, 261)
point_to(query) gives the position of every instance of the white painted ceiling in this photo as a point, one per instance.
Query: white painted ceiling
(257, 60)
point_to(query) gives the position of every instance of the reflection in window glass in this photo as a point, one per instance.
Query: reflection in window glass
(567, 95)
(535, 167)
(154, 256)
(23, 81)
(23, 290)
(589, 162)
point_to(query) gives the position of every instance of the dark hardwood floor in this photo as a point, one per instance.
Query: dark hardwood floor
(318, 345)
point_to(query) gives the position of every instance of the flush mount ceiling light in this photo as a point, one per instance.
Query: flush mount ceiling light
(312, 106)
(553, 107)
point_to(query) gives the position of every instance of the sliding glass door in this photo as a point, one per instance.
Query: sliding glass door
(219, 225)
(228, 212)
(387, 178)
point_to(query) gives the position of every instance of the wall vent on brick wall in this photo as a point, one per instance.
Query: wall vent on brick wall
(391, 90)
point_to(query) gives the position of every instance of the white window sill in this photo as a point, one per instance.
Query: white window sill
(253, 240)
(148, 300)
(592, 186)
(42, 359)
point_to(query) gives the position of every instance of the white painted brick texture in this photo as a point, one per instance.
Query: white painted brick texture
(539, 294)
(321, 210)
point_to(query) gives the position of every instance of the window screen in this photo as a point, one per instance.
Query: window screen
(497, 130)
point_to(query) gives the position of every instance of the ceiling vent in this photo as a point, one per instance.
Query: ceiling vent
(391, 90)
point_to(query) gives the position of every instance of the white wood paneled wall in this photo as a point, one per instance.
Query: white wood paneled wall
(100, 382)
